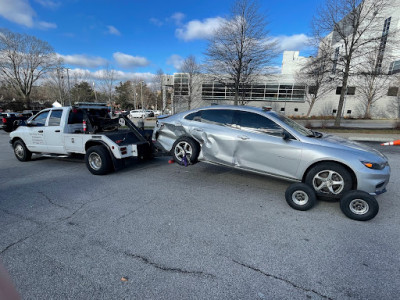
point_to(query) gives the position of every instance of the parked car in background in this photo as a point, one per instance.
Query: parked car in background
(263, 141)
(140, 113)
(9, 121)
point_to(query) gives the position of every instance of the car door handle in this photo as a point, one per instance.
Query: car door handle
(178, 124)
(58, 130)
(243, 137)
(40, 131)
(198, 129)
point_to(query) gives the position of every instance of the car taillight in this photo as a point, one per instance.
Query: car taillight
(123, 150)
(4, 120)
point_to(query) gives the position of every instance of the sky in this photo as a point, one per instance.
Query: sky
(138, 37)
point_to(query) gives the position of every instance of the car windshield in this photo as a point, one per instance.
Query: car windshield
(296, 126)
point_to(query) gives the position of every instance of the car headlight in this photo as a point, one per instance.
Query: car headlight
(375, 166)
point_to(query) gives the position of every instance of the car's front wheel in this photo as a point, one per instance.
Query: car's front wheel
(329, 179)
(21, 151)
(98, 160)
(185, 151)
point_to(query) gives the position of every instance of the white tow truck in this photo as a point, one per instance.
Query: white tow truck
(81, 129)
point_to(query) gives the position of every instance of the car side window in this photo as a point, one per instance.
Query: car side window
(222, 117)
(55, 117)
(195, 116)
(40, 119)
(257, 123)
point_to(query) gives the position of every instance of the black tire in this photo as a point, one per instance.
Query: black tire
(300, 196)
(185, 145)
(329, 180)
(21, 152)
(98, 160)
(359, 205)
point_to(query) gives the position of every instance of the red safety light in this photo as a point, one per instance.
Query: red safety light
(4, 120)
(84, 126)
(119, 141)
(123, 150)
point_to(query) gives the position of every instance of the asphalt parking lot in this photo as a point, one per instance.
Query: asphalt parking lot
(201, 232)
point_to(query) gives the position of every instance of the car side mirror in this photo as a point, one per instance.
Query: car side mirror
(286, 135)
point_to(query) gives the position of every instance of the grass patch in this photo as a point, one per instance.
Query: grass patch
(360, 130)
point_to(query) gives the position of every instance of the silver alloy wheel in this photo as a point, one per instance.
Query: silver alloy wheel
(300, 197)
(328, 182)
(181, 148)
(359, 206)
(19, 151)
(95, 161)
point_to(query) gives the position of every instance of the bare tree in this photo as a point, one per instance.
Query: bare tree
(24, 59)
(107, 82)
(315, 75)
(353, 28)
(192, 69)
(372, 83)
(241, 47)
(158, 88)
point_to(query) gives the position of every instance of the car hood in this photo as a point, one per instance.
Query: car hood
(333, 141)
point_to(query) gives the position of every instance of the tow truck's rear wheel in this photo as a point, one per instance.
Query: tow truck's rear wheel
(98, 160)
(359, 205)
(21, 152)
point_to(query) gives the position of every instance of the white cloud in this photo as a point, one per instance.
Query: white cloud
(156, 22)
(177, 18)
(129, 61)
(17, 11)
(49, 3)
(176, 61)
(294, 42)
(46, 25)
(82, 60)
(199, 29)
(113, 30)
(21, 12)
(119, 75)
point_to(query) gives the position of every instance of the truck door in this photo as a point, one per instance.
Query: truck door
(53, 132)
(34, 138)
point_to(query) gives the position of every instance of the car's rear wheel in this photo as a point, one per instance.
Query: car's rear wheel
(98, 160)
(329, 180)
(185, 151)
(21, 151)
(359, 205)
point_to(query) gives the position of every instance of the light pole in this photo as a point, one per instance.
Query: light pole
(94, 89)
(141, 93)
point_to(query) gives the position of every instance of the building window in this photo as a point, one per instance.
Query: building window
(296, 109)
(394, 67)
(282, 109)
(349, 111)
(393, 91)
(334, 111)
(181, 84)
(253, 92)
(351, 90)
(382, 46)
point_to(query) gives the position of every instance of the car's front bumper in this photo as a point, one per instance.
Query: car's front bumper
(373, 182)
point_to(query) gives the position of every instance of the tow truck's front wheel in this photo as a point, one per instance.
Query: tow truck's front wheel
(21, 152)
(98, 160)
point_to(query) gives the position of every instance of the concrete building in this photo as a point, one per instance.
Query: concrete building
(285, 92)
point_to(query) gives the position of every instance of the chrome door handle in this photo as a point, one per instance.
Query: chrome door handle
(57, 130)
(243, 137)
(40, 131)
(198, 129)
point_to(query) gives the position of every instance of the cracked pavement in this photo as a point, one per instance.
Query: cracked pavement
(202, 232)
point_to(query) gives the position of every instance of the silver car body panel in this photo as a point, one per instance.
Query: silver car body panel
(270, 154)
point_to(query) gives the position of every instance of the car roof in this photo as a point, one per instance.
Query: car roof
(234, 107)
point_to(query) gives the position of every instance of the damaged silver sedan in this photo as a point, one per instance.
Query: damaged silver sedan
(263, 141)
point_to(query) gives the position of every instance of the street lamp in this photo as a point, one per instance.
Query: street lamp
(141, 93)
